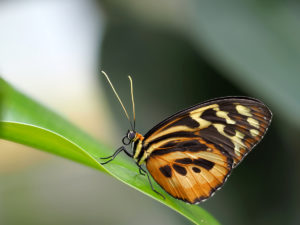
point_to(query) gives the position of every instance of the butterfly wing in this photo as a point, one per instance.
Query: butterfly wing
(192, 152)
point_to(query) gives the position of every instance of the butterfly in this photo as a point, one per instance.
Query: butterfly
(191, 153)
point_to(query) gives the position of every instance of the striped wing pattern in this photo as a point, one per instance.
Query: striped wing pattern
(192, 153)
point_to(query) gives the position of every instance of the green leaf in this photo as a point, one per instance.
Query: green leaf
(27, 122)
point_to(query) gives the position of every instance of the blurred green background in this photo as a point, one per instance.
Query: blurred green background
(179, 53)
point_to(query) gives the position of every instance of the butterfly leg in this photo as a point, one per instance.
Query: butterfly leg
(141, 172)
(141, 169)
(113, 156)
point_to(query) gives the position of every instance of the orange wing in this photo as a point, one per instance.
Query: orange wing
(190, 175)
(192, 152)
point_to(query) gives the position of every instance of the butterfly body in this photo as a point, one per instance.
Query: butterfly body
(191, 154)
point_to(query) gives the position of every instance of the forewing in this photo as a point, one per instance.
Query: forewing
(233, 124)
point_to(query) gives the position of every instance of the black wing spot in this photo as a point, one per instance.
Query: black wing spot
(204, 163)
(185, 121)
(184, 161)
(210, 115)
(166, 171)
(179, 169)
(196, 169)
(177, 134)
(186, 146)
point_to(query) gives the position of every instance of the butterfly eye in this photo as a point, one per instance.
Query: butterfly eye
(131, 135)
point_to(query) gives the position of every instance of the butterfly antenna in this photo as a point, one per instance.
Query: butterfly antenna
(132, 100)
(118, 98)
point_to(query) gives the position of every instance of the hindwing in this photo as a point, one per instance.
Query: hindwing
(189, 169)
(191, 153)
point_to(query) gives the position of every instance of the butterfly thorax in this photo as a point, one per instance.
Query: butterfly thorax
(139, 154)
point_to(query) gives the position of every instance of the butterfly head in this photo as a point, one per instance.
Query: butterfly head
(129, 137)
